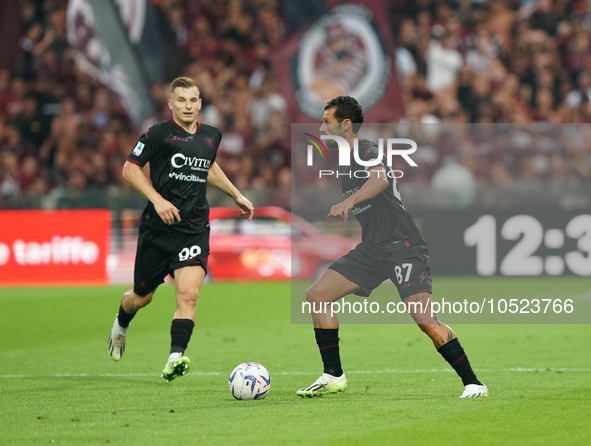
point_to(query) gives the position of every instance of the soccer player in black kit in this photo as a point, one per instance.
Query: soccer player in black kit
(391, 248)
(174, 230)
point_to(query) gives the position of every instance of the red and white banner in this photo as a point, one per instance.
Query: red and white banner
(54, 247)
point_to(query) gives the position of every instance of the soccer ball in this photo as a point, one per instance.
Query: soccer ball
(249, 381)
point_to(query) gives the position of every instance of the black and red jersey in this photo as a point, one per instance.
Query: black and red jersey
(384, 220)
(179, 165)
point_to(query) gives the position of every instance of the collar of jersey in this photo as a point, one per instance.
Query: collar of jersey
(180, 128)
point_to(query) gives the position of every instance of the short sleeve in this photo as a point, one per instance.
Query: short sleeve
(145, 147)
(217, 141)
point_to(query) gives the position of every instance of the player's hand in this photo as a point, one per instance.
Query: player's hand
(167, 211)
(246, 207)
(341, 210)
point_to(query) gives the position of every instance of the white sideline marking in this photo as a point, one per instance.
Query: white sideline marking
(134, 375)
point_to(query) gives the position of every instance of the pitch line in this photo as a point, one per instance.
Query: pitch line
(352, 372)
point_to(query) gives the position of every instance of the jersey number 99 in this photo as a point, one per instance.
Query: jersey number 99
(189, 253)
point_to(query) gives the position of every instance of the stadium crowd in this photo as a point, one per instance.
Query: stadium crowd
(64, 137)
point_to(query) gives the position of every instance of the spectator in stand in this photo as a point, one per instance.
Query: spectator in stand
(443, 63)
(500, 21)
(264, 102)
(11, 103)
(100, 113)
(237, 24)
(202, 44)
(406, 51)
(575, 97)
(61, 142)
(10, 191)
(485, 50)
(31, 181)
(14, 143)
(33, 126)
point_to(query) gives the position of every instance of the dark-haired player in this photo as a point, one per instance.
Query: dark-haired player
(174, 231)
(391, 248)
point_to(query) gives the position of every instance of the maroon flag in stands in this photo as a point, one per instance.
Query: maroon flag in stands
(347, 48)
(103, 50)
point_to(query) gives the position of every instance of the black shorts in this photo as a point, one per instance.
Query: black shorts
(406, 266)
(159, 253)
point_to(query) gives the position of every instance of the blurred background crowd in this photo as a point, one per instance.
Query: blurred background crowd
(64, 137)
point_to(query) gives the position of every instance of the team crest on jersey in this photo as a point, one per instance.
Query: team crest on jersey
(137, 150)
(209, 141)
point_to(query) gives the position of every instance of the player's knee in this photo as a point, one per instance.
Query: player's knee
(138, 301)
(312, 294)
(143, 301)
(189, 296)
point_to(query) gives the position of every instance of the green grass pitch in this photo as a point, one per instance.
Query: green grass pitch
(58, 384)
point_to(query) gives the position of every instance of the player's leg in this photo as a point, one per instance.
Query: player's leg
(420, 308)
(188, 281)
(150, 269)
(446, 342)
(130, 304)
(330, 287)
(411, 273)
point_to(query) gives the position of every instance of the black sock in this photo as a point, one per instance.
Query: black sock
(453, 353)
(180, 334)
(124, 318)
(328, 343)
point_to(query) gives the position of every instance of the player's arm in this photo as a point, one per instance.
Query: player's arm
(376, 183)
(218, 178)
(134, 175)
